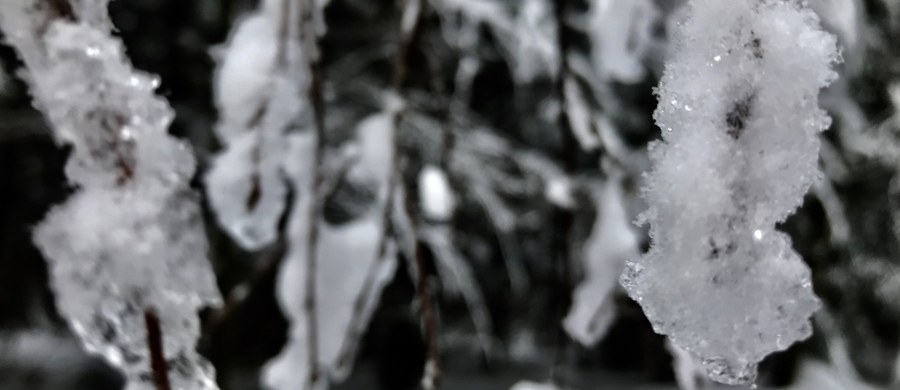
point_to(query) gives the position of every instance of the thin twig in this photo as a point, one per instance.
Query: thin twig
(158, 366)
(408, 35)
(317, 98)
(239, 294)
(303, 36)
(569, 154)
(410, 29)
(431, 379)
(448, 137)
(270, 264)
(255, 122)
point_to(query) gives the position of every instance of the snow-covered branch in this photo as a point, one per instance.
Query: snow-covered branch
(129, 243)
(740, 121)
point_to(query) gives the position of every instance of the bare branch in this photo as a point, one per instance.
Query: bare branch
(158, 365)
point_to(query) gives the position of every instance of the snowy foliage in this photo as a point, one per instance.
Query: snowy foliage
(536, 51)
(260, 98)
(611, 242)
(740, 121)
(621, 34)
(494, 146)
(129, 244)
(344, 300)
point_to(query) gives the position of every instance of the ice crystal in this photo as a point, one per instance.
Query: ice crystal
(738, 105)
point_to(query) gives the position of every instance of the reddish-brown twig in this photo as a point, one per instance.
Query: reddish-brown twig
(158, 366)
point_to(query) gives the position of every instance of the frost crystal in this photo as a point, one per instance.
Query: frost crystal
(128, 248)
(738, 110)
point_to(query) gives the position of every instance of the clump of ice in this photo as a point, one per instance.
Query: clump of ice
(740, 121)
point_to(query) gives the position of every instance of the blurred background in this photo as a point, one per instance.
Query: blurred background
(486, 88)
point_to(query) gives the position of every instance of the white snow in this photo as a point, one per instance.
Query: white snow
(740, 122)
(534, 40)
(130, 240)
(354, 261)
(260, 100)
(611, 242)
(435, 194)
(621, 33)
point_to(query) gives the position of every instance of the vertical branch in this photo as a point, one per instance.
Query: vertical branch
(307, 35)
(428, 317)
(448, 138)
(158, 366)
(569, 154)
(410, 28)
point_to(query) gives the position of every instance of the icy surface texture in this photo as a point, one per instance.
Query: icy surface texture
(115, 254)
(260, 99)
(740, 122)
(130, 241)
(354, 261)
(611, 242)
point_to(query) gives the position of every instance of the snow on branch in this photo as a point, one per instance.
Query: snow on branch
(126, 252)
(611, 242)
(621, 34)
(260, 92)
(356, 263)
(740, 121)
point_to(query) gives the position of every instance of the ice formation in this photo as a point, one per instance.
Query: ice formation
(128, 247)
(355, 261)
(740, 122)
(611, 242)
(260, 97)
